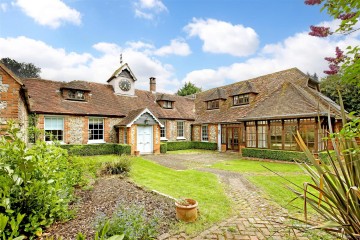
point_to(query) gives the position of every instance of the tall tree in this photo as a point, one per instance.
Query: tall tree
(350, 92)
(22, 70)
(188, 89)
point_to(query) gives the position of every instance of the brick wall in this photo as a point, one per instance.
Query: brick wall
(12, 105)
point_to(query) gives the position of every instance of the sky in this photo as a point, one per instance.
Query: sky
(207, 42)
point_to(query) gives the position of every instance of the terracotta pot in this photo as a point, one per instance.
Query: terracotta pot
(187, 213)
(137, 153)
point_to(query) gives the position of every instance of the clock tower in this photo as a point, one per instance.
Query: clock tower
(123, 81)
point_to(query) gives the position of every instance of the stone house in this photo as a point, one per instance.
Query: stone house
(263, 112)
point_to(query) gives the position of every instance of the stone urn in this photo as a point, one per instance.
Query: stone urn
(186, 210)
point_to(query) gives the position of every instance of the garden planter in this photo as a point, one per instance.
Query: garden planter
(137, 153)
(223, 147)
(186, 210)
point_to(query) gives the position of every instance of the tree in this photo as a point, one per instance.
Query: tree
(22, 70)
(188, 89)
(348, 12)
(350, 92)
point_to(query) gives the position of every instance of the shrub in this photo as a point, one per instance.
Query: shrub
(274, 154)
(120, 166)
(163, 147)
(97, 149)
(181, 145)
(204, 145)
(35, 185)
(131, 221)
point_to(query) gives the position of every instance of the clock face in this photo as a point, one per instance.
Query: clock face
(125, 85)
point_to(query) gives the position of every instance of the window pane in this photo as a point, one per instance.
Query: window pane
(250, 134)
(275, 135)
(262, 136)
(180, 129)
(204, 133)
(163, 130)
(96, 129)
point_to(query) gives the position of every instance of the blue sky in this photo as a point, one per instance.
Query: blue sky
(210, 43)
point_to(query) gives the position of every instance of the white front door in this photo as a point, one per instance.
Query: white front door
(145, 139)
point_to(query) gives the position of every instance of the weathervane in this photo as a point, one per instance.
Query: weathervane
(121, 61)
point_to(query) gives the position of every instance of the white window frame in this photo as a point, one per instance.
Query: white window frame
(203, 135)
(164, 130)
(90, 141)
(45, 128)
(182, 136)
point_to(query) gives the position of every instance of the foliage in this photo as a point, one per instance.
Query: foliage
(348, 12)
(188, 89)
(97, 149)
(131, 221)
(163, 147)
(274, 154)
(182, 145)
(120, 166)
(350, 92)
(336, 184)
(22, 70)
(214, 205)
(35, 185)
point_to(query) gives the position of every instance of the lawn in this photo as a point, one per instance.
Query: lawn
(214, 205)
(273, 185)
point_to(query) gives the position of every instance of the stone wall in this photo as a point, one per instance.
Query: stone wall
(171, 130)
(213, 132)
(74, 127)
(196, 133)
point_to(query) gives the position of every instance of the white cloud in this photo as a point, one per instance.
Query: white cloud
(50, 13)
(223, 37)
(147, 9)
(58, 64)
(300, 50)
(176, 47)
(3, 7)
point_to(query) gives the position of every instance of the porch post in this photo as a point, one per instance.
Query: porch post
(219, 137)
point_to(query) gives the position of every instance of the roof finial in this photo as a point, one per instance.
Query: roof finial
(121, 61)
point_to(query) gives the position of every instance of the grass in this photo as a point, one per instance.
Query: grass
(214, 205)
(273, 185)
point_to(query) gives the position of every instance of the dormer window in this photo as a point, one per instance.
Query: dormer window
(240, 99)
(167, 104)
(214, 104)
(76, 95)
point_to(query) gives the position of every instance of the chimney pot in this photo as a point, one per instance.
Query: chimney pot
(153, 84)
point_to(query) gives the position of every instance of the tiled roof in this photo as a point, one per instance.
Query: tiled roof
(13, 75)
(121, 69)
(283, 93)
(218, 93)
(165, 97)
(76, 85)
(45, 97)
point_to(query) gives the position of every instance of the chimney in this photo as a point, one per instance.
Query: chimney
(153, 84)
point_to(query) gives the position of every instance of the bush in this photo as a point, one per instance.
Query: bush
(181, 145)
(274, 154)
(97, 149)
(36, 185)
(204, 145)
(163, 147)
(173, 146)
(120, 166)
(132, 222)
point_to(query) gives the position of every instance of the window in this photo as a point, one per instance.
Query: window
(241, 99)
(204, 133)
(76, 95)
(322, 134)
(163, 130)
(96, 130)
(262, 134)
(290, 128)
(276, 134)
(125, 135)
(214, 104)
(54, 129)
(307, 132)
(180, 129)
(223, 134)
(167, 104)
(250, 134)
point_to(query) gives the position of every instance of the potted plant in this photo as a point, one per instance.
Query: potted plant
(186, 209)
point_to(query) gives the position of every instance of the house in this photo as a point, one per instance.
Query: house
(263, 112)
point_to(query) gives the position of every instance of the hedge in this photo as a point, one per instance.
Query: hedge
(97, 149)
(173, 146)
(163, 147)
(274, 154)
(324, 156)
